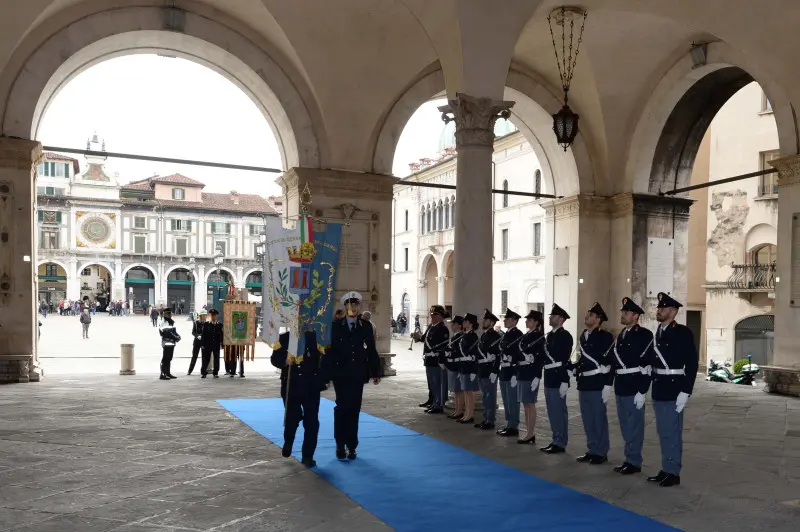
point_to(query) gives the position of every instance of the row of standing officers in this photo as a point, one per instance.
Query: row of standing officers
(628, 365)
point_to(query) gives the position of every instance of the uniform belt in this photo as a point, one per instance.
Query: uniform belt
(628, 371)
(431, 354)
(553, 365)
(598, 371)
(524, 363)
(659, 371)
(505, 364)
(485, 361)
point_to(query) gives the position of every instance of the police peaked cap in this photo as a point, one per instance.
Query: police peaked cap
(213, 311)
(437, 310)
(472, 318)
(350, 297)
(598, 311)
(458, 319)
(628, 304)
(535, 315)
(558, 311)
(664, 301)
(512, 315)
(489, 316)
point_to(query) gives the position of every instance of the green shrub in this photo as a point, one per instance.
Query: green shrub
(739, 365)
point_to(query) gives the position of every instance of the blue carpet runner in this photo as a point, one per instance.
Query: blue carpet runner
(416, 483)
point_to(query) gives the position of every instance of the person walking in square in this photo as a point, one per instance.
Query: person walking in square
(85, 320)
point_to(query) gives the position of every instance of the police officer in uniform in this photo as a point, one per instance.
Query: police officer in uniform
(468, 366)
(631, 383)
(488, 358)
(353, 360)
(435, 340)
(557, 350)
(452, 361)
(211, 340)
(197, 333)
(594, 379)
(529, 371)
(300, 394)
(674, 363)
(509, 350)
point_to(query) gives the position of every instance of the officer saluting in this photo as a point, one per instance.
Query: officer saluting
(352, 361)
(631, 383)
(300, 394)
(435, 340)
(487, 355)
(508, 373)
(557, 350)
(674, 362)
(593, 376)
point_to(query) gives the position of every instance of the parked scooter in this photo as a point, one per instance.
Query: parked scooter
(721, 373)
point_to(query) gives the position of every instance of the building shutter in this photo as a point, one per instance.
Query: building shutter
(58, 217)
(41, 216)
(227, 229)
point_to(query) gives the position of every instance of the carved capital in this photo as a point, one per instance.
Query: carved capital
(788, 170)
(650, 205)
(583, 204)
(19, 154)
(475, 118)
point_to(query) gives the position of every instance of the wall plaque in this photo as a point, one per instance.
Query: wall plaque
(354, 258)
(660, 266)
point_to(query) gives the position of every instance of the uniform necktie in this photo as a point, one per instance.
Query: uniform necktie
(658, 334)
(353, 326)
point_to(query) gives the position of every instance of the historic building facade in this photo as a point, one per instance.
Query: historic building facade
(424, 222)
(150, 242)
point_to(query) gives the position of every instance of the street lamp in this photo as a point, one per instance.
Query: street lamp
(219, 256)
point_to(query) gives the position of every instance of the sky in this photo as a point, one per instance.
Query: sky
(171, 107)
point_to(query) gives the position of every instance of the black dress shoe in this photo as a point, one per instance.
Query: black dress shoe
(454, 416)
(286, 451)
(670, 480)
(527, 442)
(619, 468)
(435, 411)
(630, 469)
(585, 458)
(466, 421)
(351, 455)
(308, 462)
(506, 432)
(657, 478)
(426, 404)
(341, 454)
(487, 426)
(597, 460)
(546, 448)
(555, 449)
(202, 376)
(171, 376)
(163, 377)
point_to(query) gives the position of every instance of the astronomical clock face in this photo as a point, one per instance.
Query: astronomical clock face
(96, 230)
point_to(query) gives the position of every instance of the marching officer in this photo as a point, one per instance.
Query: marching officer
(353, 360)
(300, 393)
(674, 362)
(557, 350)
(529, 371)
(197, 334)
(451, 362)
(487, 355)
(594, 380)
(509, 350)
(630, 383)
(468, 366)
(435, 340)
(211, 339)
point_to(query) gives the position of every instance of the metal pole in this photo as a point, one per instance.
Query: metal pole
(494, 191)
(718, 182)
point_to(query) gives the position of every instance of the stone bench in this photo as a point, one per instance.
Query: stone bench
(782, 380)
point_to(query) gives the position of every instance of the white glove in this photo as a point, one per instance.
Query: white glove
(472, 376)
(562, 391)
(680, 402)
(647, 370)
(493, 377)
(571, 372)
(638, 400)
(513, 381)
(606, 393)
(528, 357)
(534, 384)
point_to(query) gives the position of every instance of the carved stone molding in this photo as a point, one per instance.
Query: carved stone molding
(788, 170)
(650, 205)
(475, 118)
(338, 183)
(19, 154)
(583, 205)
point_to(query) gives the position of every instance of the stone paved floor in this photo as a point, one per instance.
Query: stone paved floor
(94, 453)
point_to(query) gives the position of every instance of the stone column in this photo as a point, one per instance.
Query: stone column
(363, 203)
(440, 284)
(18, 319)
(73, 280)
(783, 373)
(200, 287)
(475, 119)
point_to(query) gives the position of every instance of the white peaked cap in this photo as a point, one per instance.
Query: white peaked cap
(349, 295)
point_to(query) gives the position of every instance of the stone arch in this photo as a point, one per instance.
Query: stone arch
(211, 271)
(535, 103)
(140, 265)
(247, 273)
(425, 264)
(759, 235)
(208, 41)
(179, 267)
(681, 106)
(85, 265)
(52, 261)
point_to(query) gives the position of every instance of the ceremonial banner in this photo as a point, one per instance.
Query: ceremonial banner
(239, 329)
(282, 286)
(316, 308)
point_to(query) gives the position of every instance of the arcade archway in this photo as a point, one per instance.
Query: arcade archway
(180, 290)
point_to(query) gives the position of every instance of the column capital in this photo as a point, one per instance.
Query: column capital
(649, 204)
(788, 170)
(475, 118)
(19, 154)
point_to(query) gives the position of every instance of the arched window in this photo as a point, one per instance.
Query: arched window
(441, 215)
(505, 195)
(766, 254)
(429, 218)
(422, 220)
(447, 214)
(453, 212)
(434, 216)
(537, 181)
(406, 220)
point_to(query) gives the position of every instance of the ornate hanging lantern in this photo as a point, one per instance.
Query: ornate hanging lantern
(565, 122)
